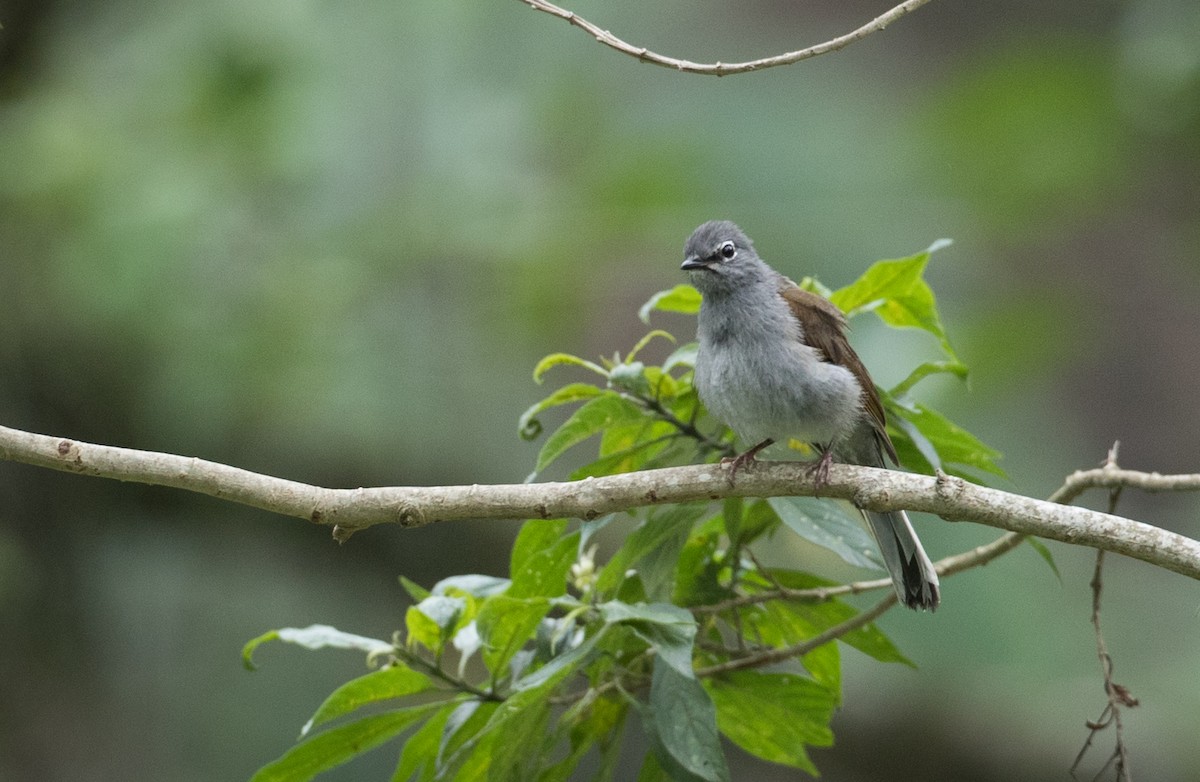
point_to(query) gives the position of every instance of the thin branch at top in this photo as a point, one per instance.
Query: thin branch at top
(724, 68)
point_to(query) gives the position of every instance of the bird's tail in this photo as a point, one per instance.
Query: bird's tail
(912, 572)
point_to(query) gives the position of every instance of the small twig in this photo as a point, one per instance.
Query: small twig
(436, 671)
(1118, 696)
(976, 557)
(723, 68)
(804, 647)
(687, 428)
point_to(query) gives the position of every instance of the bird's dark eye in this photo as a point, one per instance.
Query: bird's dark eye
(727, 250)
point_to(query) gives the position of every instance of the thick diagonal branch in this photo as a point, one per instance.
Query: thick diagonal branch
(349, 510)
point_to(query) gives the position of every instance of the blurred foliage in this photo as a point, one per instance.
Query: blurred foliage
(326, 242)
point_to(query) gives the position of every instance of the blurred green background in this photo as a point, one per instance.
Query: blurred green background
(329, 242)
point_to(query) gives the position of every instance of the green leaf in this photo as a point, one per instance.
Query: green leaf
(794, 621)
(519, 738)
(419, 754)
(414, 590)
(829, 525)
(590, 419)
(1044, 551)
(334, 747)
(473, 584)
(653, 549)
(897, 292)
(535, 536)
(315, 637)
(556, 359)
(668, 629)
(956, 368)
(697, 576)
(505, 624)
(395, 681)
(681, 723)
(543, 573)
(684, 356)
(954, 445)
(530, 427)
(640, 455)
(773, 715)
(461, 737)
(682, 298)
(432, 621)
(560, 666)
(641, 343)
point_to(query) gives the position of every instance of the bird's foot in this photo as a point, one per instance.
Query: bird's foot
(736, 463)
(819, 470)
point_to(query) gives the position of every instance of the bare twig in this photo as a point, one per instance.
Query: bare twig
(349, 510)
(723, 68)
(976, 557)
(1118, 696)
(804, 647)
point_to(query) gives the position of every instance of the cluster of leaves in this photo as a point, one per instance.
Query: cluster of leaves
(522, 678)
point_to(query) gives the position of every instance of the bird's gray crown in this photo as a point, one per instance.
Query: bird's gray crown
(706, 239)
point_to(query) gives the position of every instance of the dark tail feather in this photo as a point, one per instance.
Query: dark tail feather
(913, 574)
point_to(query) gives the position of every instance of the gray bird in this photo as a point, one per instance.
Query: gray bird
(774, 363)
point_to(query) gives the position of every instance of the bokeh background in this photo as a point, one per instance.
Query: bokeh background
(329, 241)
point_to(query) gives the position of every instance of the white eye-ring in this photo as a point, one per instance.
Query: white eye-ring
(728, 250)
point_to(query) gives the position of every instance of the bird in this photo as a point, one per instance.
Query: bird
(774, 363)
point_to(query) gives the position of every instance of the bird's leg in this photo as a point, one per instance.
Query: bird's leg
(819, 470)
(742, 459)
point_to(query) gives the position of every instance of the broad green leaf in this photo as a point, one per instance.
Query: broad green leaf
(461, 735)
(954, 444)
(432, 621)
(697, 576)
(334, 747)
(659, 537)
(505, 624)
(884, 280)
(829, 525)
(556, 359)
(419, 754)
(528, 424)
(629, 376)
(896, 291)
(315, 637)
(473, 584)
(592, 418)
(591, 722)
(395, 681)
(803, 620)
(641, 454)
(773, 715)
(535, 536)
(651, 771)
(758, 517)
(543, 573)
(913, 448)
(682, 298)
(559, 667)
(519, 738)
(684, 356)
(669, 629)
(681, 723)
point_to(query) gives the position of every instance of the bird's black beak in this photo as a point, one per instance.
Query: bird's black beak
(694, 262)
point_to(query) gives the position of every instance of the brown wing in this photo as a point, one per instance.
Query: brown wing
(824, 328)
